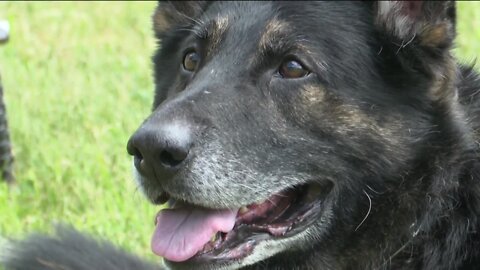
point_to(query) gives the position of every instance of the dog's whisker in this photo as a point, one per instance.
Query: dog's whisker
(368, 212)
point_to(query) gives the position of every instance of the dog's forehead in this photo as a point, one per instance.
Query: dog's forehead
(243, 13)
(259, 25)
(235, 22)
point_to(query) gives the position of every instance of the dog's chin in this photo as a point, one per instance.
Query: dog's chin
(262, 251)
(263, 230)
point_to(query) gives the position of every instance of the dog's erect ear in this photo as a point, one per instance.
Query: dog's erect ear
(430, 24)
(419, 35)
(171, 13)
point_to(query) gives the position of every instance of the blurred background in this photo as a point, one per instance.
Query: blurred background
(77, 82)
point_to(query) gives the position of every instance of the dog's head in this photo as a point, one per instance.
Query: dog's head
(284, 121)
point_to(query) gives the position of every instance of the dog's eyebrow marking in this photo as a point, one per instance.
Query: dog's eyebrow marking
(216, 30)
(212, 31)
(273, 31)
(218, 27)
(279, 38)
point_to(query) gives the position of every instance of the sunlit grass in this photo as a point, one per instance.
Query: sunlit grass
(77, 80)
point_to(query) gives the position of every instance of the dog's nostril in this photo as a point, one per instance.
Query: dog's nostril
(173, 157)
(131, 147)
(160, 148)
(138, 160)
(137, 155)
(139, 163)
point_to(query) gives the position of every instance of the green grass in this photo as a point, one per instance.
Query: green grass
(78, 82)
(468, 31)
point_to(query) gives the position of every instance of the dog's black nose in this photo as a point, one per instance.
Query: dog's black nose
(160, 147)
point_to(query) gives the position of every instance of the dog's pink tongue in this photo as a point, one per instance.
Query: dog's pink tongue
(181, 233)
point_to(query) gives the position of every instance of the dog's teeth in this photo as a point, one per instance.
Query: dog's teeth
(243, 210)
(214, 237)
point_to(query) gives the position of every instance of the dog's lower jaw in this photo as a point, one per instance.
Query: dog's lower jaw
(263, 251)
(268, 249)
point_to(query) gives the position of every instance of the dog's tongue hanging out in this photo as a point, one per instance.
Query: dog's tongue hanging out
(181, 232)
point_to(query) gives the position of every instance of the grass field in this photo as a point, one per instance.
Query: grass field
(77, 80)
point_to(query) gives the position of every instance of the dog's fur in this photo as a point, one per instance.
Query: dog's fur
(386, 119)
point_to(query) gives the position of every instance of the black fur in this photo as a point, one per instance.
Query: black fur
(386, 123)
(6, 156)
(69, 250)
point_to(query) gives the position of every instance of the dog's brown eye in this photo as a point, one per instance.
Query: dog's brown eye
(190, 61)
(292, 69)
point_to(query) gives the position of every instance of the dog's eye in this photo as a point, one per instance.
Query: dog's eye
(292, 69)
(190, 61)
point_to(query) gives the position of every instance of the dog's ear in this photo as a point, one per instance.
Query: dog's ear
(430, 24)
(172, 13)
(418, 35)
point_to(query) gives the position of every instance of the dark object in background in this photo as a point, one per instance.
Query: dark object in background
(86, 252)
(6, 157)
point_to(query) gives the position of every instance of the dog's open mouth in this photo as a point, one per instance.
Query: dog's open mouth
(186, 232)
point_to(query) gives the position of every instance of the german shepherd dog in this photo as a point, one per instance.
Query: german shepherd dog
(302, 135)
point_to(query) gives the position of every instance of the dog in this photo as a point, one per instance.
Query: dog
(301, 135)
